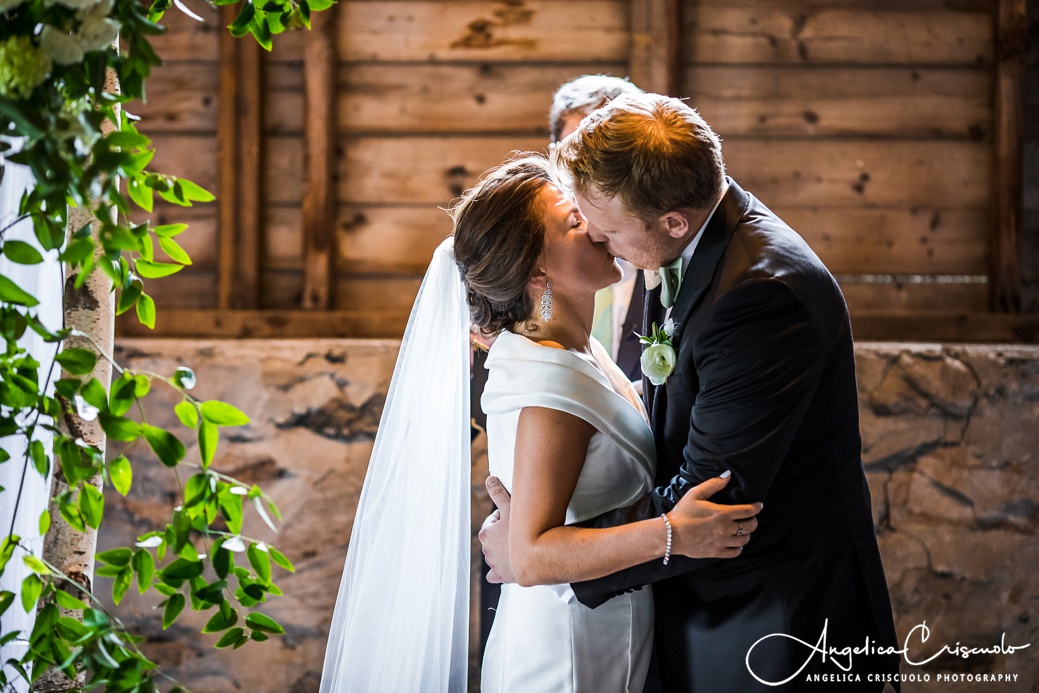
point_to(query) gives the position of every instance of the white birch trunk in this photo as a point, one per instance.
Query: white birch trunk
(89, 309)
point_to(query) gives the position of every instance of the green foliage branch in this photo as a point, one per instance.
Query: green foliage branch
(55, 57)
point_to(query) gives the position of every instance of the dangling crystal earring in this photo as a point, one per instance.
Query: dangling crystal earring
(546, 302)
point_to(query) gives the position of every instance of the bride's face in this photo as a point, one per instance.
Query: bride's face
(574, 261)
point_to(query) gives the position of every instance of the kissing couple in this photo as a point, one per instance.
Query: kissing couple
(700, 538)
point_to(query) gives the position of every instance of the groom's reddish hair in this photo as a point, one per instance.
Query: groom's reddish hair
(653, 152)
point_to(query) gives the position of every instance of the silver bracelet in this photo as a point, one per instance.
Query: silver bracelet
(667, 549)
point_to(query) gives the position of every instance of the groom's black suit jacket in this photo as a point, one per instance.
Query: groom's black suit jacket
(764, 386)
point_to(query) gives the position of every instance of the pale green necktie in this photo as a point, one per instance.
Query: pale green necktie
(670, 282)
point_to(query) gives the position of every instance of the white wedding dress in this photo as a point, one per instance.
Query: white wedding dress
(543, 639)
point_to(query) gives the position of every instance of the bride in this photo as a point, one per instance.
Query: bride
(567, 435)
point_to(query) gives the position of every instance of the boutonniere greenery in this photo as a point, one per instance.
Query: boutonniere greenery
(658, 358)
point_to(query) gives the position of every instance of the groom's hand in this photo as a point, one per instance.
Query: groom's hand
(494, 535)
(708, 530)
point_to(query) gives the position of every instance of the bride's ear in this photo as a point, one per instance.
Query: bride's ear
(538, 281)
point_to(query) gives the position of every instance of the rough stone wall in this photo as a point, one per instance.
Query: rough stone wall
(950, 442)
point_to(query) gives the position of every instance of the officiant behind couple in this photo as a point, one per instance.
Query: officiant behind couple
(756, 401)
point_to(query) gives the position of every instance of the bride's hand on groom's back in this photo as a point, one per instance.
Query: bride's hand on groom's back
(494, 534)
(702, 529)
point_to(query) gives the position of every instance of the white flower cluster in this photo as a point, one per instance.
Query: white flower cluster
(96, 31)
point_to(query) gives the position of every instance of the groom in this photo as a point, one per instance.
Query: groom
(764, 386)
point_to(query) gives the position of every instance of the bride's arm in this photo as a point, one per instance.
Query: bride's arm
(550, 451)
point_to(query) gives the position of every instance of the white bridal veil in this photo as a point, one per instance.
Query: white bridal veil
(402, 616)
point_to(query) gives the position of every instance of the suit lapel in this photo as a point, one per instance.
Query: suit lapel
(708, 254)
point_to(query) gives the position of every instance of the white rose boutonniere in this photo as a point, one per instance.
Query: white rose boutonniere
(658, 358)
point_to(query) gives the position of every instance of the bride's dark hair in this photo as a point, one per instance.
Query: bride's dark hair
(499, 234)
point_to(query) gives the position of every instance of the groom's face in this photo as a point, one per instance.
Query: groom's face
(623, 234)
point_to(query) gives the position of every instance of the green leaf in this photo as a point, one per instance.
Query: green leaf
(32, 586)
(167, 448)
(156, 270)
(39, 458)
(187, 412)
(121, 584)
(45, 522)
(142, 195)
(94, 393)
(169, 230)
(122, 394)
(119, 428)
(208, 436)
(222, 561)
(195, 192)
(78, 251)
(195, 490)
(128, 296)
(12, 293)
(146, 310)
(223, 619)
(279, 558)
(263, 622)
(127, 139)
(174, 605)
(22, 253)
(70, 629)
(229, 638)
(173, 249)
(70, 513)
(240, 25)
(67, 601)
(6, 599)
(260, 561)
(181, 569)
(91, 505)
(77, 361)
(7, 547)
(26, 121)
(118, 557)
(35, 565)
(223, 414)
(121, 474)
(67, 387)
(144, 565)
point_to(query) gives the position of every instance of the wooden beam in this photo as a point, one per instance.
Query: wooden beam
(656, 51)
(389, 324)
(239, 137)
(1011, 43)
(319, 187)
(268, 324)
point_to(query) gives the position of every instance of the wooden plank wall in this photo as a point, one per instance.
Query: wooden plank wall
(868, 126)
(429, 95)
(180, 115)
(1030, 244)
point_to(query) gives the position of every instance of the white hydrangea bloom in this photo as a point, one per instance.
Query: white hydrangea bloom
(73, 4)
(98, 34)
(62, 47)
(95, 12)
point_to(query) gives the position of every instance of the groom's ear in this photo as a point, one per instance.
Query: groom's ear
(675, 223)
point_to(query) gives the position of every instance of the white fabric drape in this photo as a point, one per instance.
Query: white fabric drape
(401, 620)
(46, 282)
